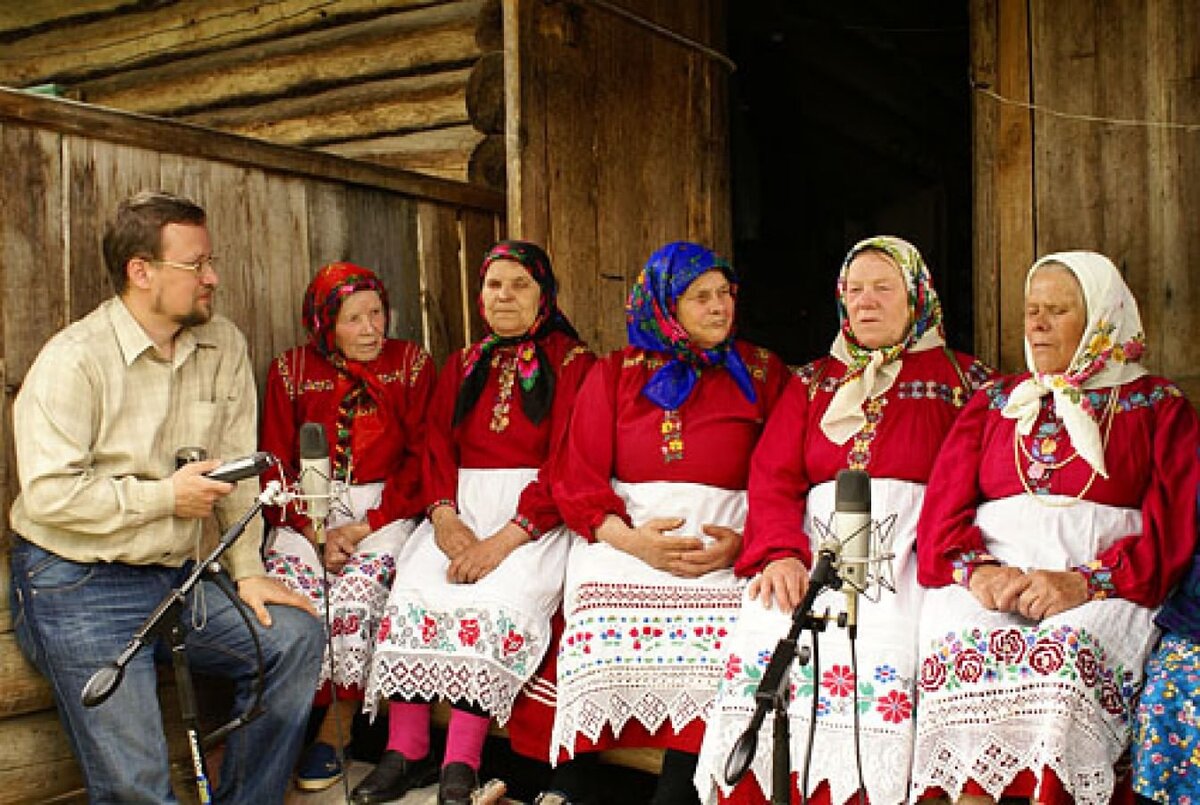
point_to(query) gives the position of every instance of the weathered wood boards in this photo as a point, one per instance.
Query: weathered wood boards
(1104, 161)
(384, 80)
(275, 213)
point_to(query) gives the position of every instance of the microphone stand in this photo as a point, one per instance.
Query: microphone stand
(166, 621)
(772, 691)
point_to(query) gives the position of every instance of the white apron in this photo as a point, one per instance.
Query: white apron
(357, 593)
(478, 642)
(640, 643)
(887, 662)
(999, 693)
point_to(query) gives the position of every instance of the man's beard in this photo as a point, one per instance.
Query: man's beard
(193, 318)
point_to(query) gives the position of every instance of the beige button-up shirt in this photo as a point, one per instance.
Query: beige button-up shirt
(97, 423)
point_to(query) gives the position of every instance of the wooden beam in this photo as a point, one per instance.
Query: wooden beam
(488, 163)
(178, 138)
(1005, 234)
(386, 46)
(365, 109)
(119, 35)
(444, 152)
(485, 93)
(18, 18)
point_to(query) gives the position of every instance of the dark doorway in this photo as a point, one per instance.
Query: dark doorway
(848, 120)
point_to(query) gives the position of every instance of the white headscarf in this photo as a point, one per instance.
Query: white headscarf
(1107, 355)
(871, 372)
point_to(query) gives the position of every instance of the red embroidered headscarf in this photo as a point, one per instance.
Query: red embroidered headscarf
(331, 286)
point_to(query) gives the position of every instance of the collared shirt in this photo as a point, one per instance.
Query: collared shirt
(97, 423)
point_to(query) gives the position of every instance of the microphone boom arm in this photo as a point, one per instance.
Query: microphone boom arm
(773, 687)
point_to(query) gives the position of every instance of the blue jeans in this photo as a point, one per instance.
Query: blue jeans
(72, 619)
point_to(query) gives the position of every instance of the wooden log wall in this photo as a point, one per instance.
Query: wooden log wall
(377, 80)
(617, 144)
(1108, 159)
(276, 214)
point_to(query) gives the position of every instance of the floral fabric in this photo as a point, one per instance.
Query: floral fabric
(871, 372)
(535, 380)
(639, 644)
(356, 595)
(1167, 744)
(322, 301)
(882, 696)
(1065, 685)
(651, 324)
(1113, 341)
(477, 643)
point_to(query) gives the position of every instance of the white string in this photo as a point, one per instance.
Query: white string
(1112, 121)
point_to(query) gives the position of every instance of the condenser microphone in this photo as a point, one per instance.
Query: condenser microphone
(852, 526)
(314, 473)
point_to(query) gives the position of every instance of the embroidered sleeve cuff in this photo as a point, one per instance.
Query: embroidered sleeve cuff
(525, 524)
(1099, 579)
(442, 502)
(966, 563)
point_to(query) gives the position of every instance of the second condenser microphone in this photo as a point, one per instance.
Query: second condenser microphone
(314, 471)
(852, 526)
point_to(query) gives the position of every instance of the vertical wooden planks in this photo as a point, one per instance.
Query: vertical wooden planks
(442, 297)
(478, 233)
(383, 236)
(631, 152)
(33, 304)
(985, 119)
(1173, 189)
(1015, 177)
(99, 176)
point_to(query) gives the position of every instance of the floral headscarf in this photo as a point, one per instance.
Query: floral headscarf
(331, 286)
(324, 297)
(536, 381)
(1113, 341)
(651, 324)
(871, 372)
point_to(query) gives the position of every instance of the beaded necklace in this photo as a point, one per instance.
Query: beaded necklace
(1039, 467)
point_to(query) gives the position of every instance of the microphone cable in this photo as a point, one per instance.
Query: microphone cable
(862, 785)
(812, 719)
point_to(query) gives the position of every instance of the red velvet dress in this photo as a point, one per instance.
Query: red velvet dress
(1056, 693)
(384, 488)
(480, 642)
(791, 501)
(640, 653)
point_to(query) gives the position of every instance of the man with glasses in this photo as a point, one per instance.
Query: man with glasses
(106, 524)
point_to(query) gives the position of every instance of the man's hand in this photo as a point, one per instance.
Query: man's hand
(784, 580)
(996, 587)
(258, 591)
(486, 555)
(1049, 592)
(341, 542)
(648, 541)
(451, 534)
(719, 555)
(195, 495)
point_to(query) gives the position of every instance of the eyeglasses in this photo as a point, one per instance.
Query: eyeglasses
(198, 265)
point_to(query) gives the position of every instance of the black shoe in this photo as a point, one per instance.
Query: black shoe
(457, 784)
(393, 778)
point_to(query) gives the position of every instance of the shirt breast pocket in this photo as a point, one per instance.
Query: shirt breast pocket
(203, 425)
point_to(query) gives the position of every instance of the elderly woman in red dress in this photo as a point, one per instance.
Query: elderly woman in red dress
(653, 479)
(1058, 517)
(882, 401)
(468, 619)
(370, 393)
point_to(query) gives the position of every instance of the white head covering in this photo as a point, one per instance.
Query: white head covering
(871, 372)
(1107, 355)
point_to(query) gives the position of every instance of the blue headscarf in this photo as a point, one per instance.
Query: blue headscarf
(651, 324)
